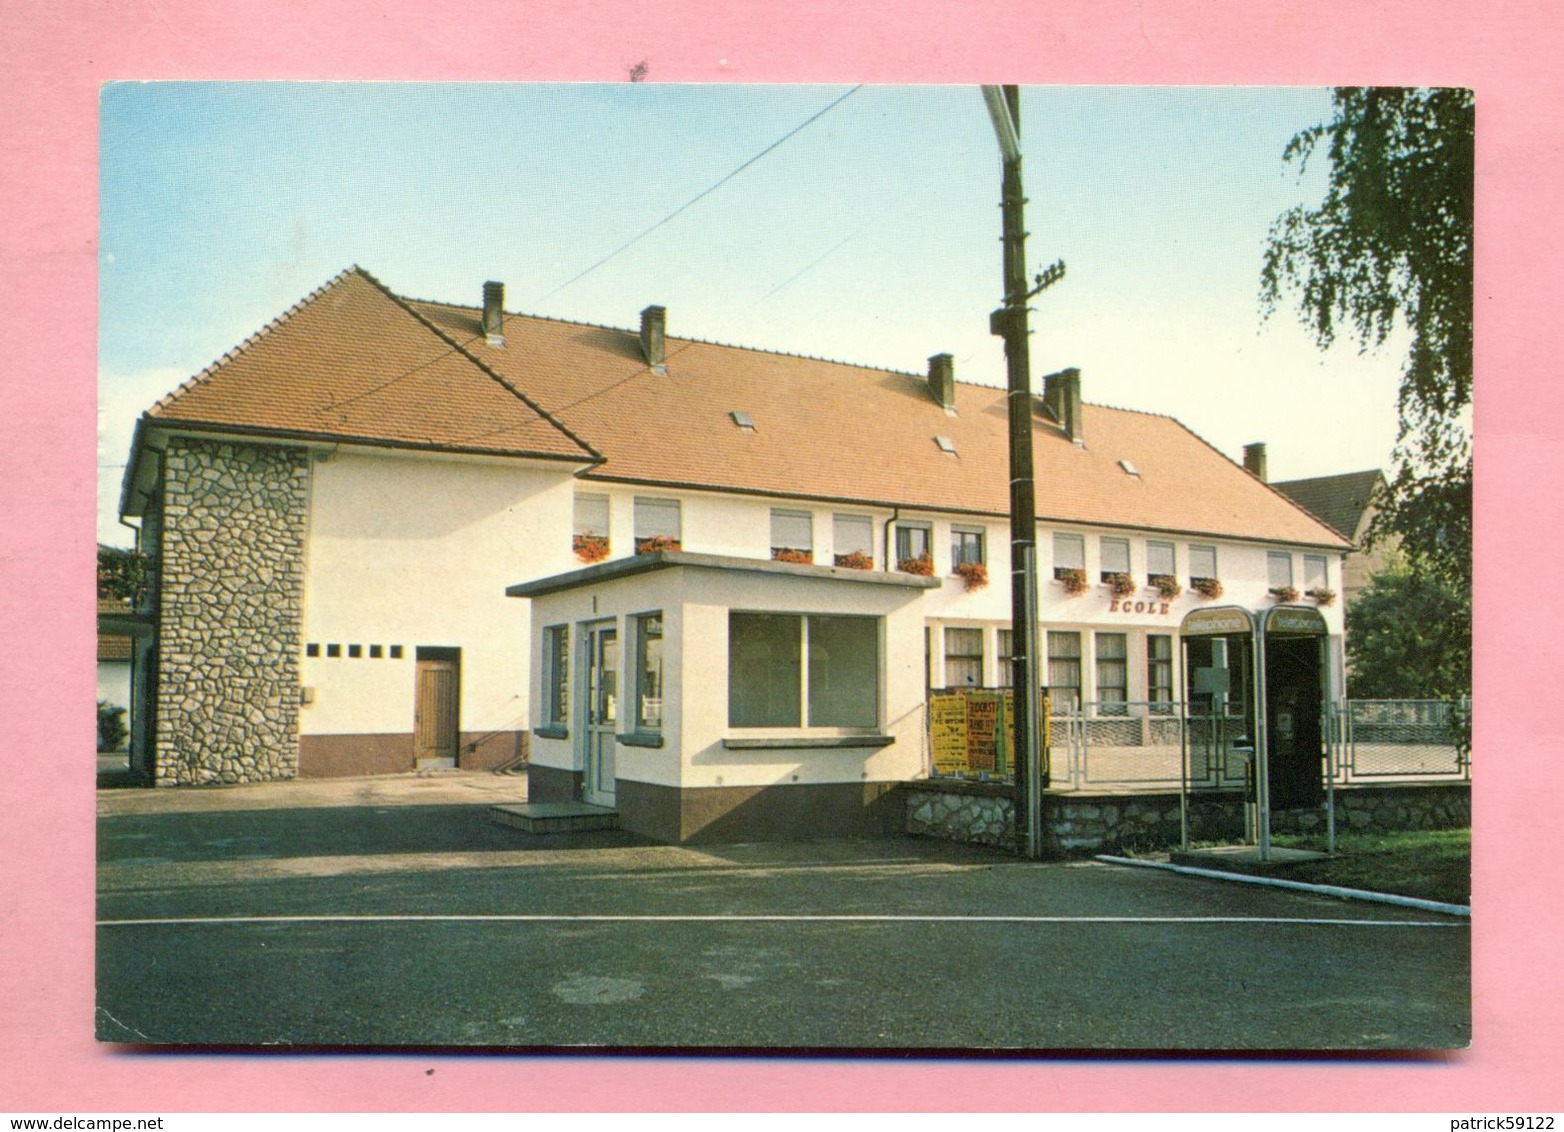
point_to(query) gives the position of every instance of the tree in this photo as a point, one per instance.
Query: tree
(1391, 246)
(1409, 637)
(122, 574)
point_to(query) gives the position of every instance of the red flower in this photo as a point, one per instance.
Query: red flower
(974, 574)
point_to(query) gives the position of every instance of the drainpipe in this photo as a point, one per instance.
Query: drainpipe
(886, 537)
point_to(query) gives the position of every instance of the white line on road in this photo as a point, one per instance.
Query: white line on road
(536, 918)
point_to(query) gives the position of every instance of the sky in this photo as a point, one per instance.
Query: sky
(864, 228)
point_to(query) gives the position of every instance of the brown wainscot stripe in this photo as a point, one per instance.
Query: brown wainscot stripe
(720, 814)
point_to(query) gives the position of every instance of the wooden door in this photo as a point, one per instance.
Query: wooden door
(435, 712)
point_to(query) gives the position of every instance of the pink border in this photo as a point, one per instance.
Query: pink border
(54, 58)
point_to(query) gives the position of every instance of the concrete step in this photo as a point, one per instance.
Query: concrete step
(555, 817)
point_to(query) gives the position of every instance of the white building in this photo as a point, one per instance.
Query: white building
(339, 505)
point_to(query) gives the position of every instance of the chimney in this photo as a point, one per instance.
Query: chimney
(942, 380)
(1254, 461)
(1062, 398)
(494, 313)
(654, 325)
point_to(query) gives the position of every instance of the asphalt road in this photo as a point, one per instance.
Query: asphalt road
(424, 924)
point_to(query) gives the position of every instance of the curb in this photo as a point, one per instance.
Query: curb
(1297, 886)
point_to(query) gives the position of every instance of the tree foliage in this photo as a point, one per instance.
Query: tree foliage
(1389, 246)
(1409, 637)
(122, 574)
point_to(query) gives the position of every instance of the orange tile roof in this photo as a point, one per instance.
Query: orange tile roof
(353, 361)
(833, 431)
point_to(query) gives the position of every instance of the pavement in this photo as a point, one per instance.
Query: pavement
(392, 912)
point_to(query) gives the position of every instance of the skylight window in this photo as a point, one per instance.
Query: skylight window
(743, 420)
(1129, 468)
(946, 444)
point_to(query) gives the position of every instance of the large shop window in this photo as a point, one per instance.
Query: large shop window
(556, 676)
(1064, 671)
(1113, 673)
(649, 672)
(658, 525)
(770, 685)
(963, 658)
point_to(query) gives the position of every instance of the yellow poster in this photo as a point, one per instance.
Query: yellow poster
(948, 733)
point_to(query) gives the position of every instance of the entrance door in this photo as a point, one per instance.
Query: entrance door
(602, 713)
(437, 693)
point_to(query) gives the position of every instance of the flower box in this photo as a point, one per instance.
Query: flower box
(923, 566)
(1322, 595)
(973, 574)
(590, 548)
(1120, 585)
(856, 560)
(1073, 579)
(1284, 594)
(1166, 585)
(1208, 588)
(793, 555)
(657, 544)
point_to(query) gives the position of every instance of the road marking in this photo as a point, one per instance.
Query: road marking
(767, 918)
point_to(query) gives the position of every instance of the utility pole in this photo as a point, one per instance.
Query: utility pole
(1010, 323)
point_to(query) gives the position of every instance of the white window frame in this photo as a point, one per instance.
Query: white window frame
(860, 523)
(1196, 550)
(1323, 581)
(806, 656)
(1155, 547)
(781, 538)
(1273, 558)
(1067, 546)
(958, 533)
(1103, 543)
(649, 508)
(555, 670)
(966, 658)
(639, 626)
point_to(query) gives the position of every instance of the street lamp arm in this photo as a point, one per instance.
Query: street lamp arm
(1004, 125)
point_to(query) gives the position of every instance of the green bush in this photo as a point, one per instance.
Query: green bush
(111, 726)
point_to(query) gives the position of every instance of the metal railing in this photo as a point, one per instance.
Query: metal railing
(1406, 740)
(1139, 745)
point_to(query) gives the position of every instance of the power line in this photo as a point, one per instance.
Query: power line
(702, 195)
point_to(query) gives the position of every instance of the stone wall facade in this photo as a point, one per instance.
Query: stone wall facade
(982, 813)
(231, 585)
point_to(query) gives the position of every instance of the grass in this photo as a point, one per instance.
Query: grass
(1428, 864)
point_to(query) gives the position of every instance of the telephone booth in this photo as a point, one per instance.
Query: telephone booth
(1255, 689)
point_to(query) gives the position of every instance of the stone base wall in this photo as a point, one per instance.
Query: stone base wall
(983, 813)
(231, 588)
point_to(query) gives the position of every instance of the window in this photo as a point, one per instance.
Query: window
(966, 545)
(1115, 556)
(792, 536)
(556, 676)
(649, 672)
(657, 525)
(1315, 572)
(1160, 560)
(1006, 676)
(770, 685)
(1202, 562)
(852, 539)
(590, 537)
(1069, 554)
(913, 545)
(375, 652)
(312, 650)
(963, 658)
(356, 652)
(1113, 690)
(334, 650)
(1159, 672)
(1278, 569)
(1064, 671)
(396, 652)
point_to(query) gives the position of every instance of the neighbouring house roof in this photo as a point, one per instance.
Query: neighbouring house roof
(1340, 501)
(354, 361)
(111, 645)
